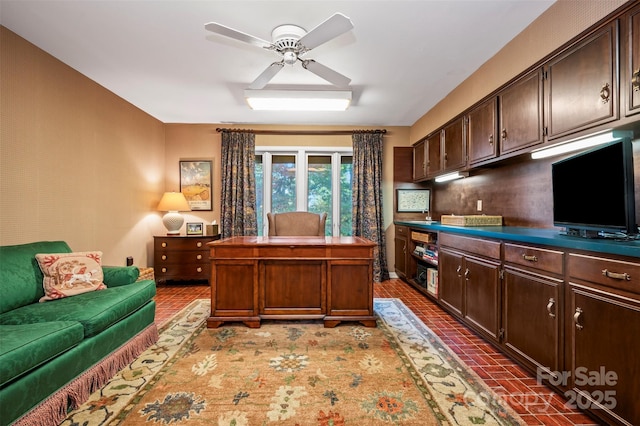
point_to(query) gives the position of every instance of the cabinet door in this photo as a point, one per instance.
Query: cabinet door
(482, 130)
(632, 81)
(450, 280)
(434, 154)
(583, 86)
(603, 332)
(455, 146)
(531, 319)
(419, 161)
(481, 288)
(520, 107)
(401, 243)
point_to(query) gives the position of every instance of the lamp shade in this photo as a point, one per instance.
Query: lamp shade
(173, 202)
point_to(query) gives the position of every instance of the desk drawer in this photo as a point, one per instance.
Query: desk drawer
(292, 252)
(616, 274)
(478, 246)
(538, 258)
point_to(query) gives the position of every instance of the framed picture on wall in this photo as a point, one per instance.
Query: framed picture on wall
(413, 200)
(196, 183)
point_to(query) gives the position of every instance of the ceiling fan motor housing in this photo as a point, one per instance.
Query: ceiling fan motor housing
(285, 39)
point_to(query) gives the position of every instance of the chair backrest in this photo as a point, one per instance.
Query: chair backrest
(296, 224)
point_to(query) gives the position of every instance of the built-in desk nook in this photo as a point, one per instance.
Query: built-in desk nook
(324, 278)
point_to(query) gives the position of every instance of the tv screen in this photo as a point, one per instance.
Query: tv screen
(593, 192)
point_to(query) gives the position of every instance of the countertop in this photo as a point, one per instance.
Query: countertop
(540, 236)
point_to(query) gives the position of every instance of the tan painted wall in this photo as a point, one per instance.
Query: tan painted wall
(77, 163)
(564, 20)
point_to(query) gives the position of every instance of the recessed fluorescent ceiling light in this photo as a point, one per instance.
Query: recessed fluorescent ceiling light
(298, 100)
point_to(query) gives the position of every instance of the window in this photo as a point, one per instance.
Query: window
(317, 180)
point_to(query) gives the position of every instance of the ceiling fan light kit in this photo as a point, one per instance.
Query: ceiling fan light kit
(298, 100)
(291, 42)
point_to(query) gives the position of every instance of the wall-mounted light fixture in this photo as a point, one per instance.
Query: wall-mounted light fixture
(581, 143)
(298, 100)
(452, 176)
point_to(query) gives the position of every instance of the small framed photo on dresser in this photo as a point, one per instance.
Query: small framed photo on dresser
(194, 228)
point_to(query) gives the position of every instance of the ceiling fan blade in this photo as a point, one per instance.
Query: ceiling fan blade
(266, 75)
(214, 27)
(334, 26)
(326, 73)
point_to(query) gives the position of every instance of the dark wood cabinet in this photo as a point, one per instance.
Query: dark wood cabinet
(455, 146)
(470, 283)
(482, 129)
(434, 154)
(532, 306)
(401, 248)
(419, 161)
(582, 84)
(631, 68)
(182, 258)
(521, 113)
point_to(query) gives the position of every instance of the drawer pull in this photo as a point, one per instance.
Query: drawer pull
(577, 318)
(199, 269)
(164, 257)
(530, 258)
(635, 80)
(458, 269)
(605, 93)
(164, 244)
(551, 307)
(164, 269)
(616, 276)
(466, 274)
(199, 257)
(199, 244)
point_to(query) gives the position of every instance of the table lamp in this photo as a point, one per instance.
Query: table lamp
(173, 203)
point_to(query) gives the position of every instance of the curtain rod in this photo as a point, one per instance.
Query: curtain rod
(301, 132)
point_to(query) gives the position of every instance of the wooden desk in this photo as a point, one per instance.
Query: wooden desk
(255, 278)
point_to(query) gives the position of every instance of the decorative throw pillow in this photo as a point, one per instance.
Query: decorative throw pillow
(69, 274)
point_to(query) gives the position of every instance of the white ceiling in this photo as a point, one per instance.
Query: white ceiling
(402, 56)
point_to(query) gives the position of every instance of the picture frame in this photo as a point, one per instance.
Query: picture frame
(196, 183)
(413, 200)
(194, 228)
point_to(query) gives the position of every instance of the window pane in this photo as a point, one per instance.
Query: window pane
(346, 171)
(283, 183)
(259, 192)
(319, 198)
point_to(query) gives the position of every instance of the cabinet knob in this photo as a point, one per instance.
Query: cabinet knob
(164, 269)
(199, 269)
(164, 244)
(504, 134)
(577, 318)
(491, 139)
(164, 257)
(551, 307)
(199, 244)
(605, 93)
(199, 257)
(635, 80)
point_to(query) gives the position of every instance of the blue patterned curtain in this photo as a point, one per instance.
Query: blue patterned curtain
(367, 218)
(238, 198)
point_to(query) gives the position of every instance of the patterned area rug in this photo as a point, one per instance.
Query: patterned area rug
(296, 373)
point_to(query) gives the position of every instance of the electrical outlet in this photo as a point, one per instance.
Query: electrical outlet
(479, 205)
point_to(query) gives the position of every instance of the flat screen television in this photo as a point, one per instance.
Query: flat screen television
(593, 192)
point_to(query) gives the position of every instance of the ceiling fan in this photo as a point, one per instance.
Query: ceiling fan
(291, 42)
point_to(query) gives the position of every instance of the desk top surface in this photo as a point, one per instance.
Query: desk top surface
(293, 241)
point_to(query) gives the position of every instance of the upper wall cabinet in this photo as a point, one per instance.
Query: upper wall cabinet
(520, 106)
(582, 84)
(455, 146)
(434, 154)
(482, 128)
(631, 79)
(419, 161)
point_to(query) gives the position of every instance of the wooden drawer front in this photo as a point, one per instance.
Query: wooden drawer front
(292, 252)
(402, 230)
(611, 273)
(191, 257)
(184, 271)
(352, 252)
(545, 260)
(472, 245)
(181, 243)
(224, 252)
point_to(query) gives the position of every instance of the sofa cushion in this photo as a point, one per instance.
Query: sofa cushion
(20, 276)
(96, 310)
(25, 347)
(70, 274)
(115, 276)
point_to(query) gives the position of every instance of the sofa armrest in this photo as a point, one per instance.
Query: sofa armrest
(116, 276)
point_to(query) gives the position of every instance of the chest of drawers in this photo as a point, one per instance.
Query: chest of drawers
(182, 258)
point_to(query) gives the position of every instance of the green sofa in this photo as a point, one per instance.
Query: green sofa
(54, 354)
